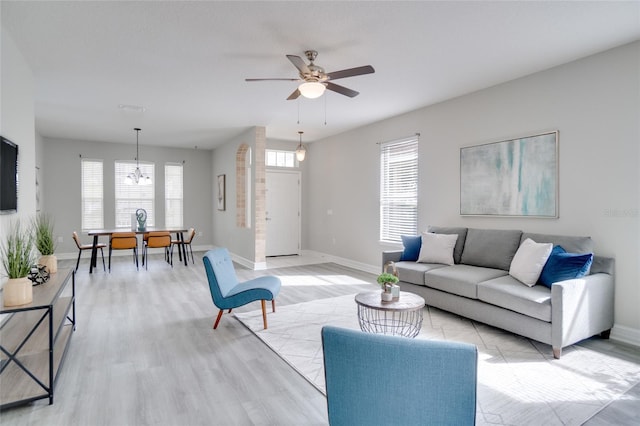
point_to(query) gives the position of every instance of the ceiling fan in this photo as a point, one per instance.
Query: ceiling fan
(315, 80)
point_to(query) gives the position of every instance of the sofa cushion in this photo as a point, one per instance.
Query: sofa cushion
(509, 293)
(437, 248)
(460, 279)
(413, 272)
(529, 260)
(412, 244)
(565, 266)
(462, 235)
(569, 243)
(491, 248)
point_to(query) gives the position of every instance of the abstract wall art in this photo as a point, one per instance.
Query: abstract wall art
(516, 177)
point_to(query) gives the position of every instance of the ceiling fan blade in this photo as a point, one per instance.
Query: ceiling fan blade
(294, 95)
(271, 79)
(299, 63)
(351, 72)
(342, 90)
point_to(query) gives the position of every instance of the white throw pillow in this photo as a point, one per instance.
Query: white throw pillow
(437, 248)
(529, 260)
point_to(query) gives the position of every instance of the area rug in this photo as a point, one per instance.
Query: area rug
(519, 382)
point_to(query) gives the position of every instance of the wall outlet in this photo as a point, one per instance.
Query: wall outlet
(60, 239)
(200, 234)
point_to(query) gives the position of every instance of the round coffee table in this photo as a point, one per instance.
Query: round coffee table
(402, 317)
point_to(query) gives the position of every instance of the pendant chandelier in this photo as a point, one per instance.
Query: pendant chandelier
(301, 152)
(136, 177)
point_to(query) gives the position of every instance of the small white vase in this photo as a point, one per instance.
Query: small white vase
(50, 263)
(395, 291)
(17, 291)
(386, 296)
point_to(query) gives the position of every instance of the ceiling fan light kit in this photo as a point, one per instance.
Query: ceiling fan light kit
(312, 89)
(314, 80)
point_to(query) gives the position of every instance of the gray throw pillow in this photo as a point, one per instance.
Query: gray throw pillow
(491, 248)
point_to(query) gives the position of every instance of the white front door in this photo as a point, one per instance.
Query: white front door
(283, 213)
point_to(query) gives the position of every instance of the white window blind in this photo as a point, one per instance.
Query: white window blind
(92, 194)
(131, 197)
(173, 195)
(398, 189)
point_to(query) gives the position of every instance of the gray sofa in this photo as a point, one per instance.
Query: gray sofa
(478, 286)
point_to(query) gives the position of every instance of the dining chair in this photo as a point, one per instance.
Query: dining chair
(228, 293)
(377, 379)
(157, 239)
(124, 241)
(82, 247)
(186, 243)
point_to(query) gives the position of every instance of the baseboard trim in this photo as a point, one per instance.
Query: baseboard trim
(623, 334)
(364, 267)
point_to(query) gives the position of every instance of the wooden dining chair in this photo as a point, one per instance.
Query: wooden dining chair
(82, 247)
(186, 243)
(124, 241)
(157, 239)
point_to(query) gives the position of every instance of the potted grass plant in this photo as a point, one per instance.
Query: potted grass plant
(45, 243)
(16, 253)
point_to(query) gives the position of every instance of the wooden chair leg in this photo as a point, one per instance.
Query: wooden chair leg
(273, 305)
(264, 313)
(215, 325)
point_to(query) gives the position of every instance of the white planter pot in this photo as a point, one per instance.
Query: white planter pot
(50, 262)
(386, 297)
(17, 291)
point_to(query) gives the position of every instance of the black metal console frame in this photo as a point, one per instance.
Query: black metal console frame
(68, 320)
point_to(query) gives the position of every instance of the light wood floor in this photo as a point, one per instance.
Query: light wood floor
(144, 353)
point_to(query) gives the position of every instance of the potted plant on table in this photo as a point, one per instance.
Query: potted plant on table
(17, 258)
(387, 281)
(43, 230)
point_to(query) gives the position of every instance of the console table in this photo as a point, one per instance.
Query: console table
(34, 339)
(402, 317)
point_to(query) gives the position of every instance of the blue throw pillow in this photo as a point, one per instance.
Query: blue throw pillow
(412, 245)
(565, 266)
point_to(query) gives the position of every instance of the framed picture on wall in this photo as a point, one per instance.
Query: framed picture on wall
(221, 192)
(516, 177)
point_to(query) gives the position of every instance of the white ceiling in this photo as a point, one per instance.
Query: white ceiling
(186, 62)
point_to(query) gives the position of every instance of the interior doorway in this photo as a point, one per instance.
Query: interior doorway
(283, 212)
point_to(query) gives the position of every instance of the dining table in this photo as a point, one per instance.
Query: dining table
(96, 233)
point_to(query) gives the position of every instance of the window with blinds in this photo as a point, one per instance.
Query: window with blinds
(131, 197)
(398, 189)
(173, 195)
(92, 194)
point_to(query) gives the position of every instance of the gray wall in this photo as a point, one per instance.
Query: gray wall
(17, 124)
(62, 198)
(593, 102)
(239, 241)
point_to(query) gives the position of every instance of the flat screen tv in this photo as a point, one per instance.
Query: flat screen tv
(8, 176)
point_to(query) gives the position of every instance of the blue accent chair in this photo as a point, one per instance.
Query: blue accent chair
(375, 379)
(228, 293)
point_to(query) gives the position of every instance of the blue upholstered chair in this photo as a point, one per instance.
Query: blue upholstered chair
(374, 379)
(228, 293)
